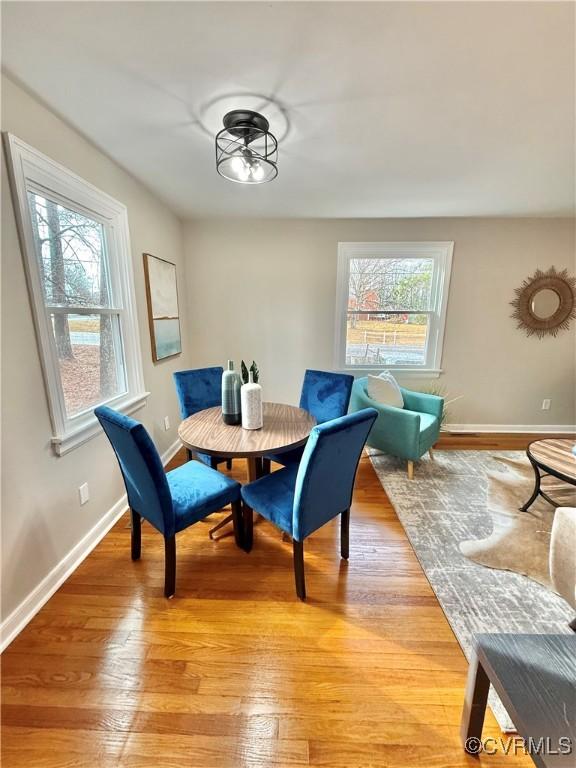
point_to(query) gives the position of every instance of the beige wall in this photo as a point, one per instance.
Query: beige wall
(265, 289)
(260, 289)
(41, 516)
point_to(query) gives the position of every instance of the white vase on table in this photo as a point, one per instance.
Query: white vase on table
(251, 404)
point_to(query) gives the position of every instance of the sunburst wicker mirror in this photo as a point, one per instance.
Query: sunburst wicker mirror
(545, 303)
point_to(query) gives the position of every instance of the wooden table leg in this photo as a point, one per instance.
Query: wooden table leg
(254, 472)
(476, 699)
(225, 522)
(254, 468)
(248, 533)
(221, 524)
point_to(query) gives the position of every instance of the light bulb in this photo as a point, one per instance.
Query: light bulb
(240, 168)
(257, 171)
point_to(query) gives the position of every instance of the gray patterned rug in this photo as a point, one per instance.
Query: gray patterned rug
(444, 505)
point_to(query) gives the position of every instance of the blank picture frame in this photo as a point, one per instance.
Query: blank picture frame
(163, 312)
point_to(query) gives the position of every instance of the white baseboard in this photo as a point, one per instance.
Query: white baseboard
(29, 607)
(33, 602)
(170, 452)
(539, 429)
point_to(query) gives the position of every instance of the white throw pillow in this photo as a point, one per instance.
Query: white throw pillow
(384, 389)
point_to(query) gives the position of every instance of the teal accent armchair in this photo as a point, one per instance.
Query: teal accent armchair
(407, 432)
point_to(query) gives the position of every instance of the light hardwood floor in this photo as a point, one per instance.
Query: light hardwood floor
(235, 671)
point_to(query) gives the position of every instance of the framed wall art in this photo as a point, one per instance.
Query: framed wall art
(163, 314)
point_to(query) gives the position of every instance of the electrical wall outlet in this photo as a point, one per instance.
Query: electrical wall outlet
(84, 493)
(166, 423)
(546, 404)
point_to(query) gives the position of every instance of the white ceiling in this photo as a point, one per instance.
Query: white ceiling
(394, 109)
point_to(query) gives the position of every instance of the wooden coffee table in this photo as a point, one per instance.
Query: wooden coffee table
(550, 458)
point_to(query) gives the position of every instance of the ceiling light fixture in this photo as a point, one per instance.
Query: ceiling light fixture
(246, 151)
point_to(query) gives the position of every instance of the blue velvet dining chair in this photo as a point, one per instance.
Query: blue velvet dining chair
(300, 498)
(170, 501)
(326, 396)
(198, 389)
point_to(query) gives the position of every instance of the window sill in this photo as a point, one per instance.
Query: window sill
(404, 373)
(63, 444)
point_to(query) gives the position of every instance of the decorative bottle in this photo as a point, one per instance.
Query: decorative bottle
(231, 395)
(251, 400)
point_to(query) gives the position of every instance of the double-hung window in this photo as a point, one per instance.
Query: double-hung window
(79, 268)
(391, 305)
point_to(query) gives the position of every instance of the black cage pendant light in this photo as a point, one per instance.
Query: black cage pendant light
(246, 151)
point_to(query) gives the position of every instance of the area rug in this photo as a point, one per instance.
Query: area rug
(447, 505)
(519, 541)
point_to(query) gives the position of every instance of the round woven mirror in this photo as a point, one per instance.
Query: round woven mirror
(545, 303)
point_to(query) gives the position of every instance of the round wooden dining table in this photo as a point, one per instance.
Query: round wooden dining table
(285, 427)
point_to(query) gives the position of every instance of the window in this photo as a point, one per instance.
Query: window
(391, 305)
(79, 269)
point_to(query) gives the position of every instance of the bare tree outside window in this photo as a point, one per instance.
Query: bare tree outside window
(388, 302)
(71, 249)
(366, 282)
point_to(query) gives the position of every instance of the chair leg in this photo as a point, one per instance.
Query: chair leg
(248, 516)
(189, 454)
(410, 470)
(431, 452)
(266, 466)
(238, 523)
(135, 535)
(345, 534)
(228, 463)
(169, 566)
(213, 463)
(298, 550)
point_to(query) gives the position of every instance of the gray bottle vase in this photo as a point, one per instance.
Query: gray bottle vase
(231, 384)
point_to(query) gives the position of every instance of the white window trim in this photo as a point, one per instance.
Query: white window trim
(441, 252)
(30, 169)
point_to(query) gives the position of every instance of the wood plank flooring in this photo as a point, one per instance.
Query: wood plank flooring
(235, 671)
